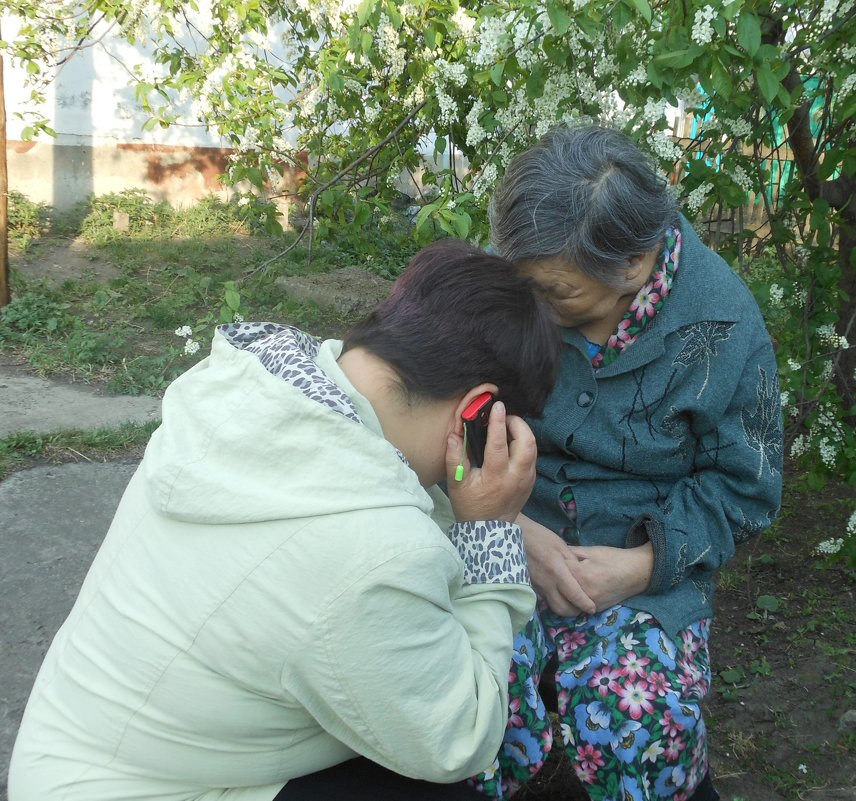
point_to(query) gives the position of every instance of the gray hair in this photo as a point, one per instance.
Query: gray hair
(586, 194)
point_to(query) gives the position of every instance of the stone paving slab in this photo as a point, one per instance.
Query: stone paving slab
(30, 403)
(52, 521)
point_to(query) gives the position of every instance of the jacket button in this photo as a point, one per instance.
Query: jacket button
(585, 399)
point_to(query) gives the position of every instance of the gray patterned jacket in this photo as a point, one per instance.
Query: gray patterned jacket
(678, 441)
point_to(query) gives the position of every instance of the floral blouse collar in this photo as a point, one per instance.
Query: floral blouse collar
(648, 301)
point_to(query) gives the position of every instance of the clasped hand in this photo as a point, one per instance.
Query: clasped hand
(575, 579)
(499, 488)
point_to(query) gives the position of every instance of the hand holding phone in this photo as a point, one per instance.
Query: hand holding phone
(505, 451)
(475, 418)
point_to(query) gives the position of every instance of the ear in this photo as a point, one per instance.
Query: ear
(633, 271)
(639, 269)
(466, 399)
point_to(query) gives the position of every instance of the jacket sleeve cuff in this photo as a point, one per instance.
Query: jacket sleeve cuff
(492, 551)
(649, 529)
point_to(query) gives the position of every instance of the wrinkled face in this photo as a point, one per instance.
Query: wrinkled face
(578, 299)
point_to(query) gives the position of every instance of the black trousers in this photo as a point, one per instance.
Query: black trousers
(362, 780)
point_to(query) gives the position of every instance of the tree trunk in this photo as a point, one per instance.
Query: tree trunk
(5, 291)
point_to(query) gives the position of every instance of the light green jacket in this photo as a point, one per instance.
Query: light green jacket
(274, 597)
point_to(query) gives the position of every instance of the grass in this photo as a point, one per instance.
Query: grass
(76, 445)
(142, 270)
(166, 269)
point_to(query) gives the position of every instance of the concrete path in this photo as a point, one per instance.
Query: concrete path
(30, 403)
(52, 520)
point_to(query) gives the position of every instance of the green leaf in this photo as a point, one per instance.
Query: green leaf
(255, 177)
(462, 222)
(559, 19)
(644, 8)
(622, 15)
(233, 299)
(654, 75)
(749, 32)
(364, 11)
(769, 603)
(496, 73)
(719, 26)
(721, 79)
(535, 82)
(732, 675)
(767, 82)
(766, 52)
(424, 214)
(362, 214)
(677, 59)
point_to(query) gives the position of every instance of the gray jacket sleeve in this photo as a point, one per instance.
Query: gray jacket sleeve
(734, 490)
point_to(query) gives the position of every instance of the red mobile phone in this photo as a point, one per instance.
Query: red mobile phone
(475, 419)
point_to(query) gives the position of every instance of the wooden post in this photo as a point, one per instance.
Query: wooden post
(5, 291)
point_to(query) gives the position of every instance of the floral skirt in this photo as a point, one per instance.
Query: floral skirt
(629, 706)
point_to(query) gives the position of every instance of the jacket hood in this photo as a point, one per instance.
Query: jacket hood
(267, 427)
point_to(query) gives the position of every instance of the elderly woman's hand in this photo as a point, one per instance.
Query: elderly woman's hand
(499, 488)
(611, 575)
(551, 570)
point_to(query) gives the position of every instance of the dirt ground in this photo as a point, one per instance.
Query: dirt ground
(782, 714)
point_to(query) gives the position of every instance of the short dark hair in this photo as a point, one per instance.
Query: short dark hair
(586, 194)
(458, 317)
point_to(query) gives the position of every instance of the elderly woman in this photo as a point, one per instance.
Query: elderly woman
(275, 595)
(659, 451)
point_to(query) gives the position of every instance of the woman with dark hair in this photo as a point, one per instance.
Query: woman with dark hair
(660, 450)
(276, 594)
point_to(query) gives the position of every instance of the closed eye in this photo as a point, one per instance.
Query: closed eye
(562, 292)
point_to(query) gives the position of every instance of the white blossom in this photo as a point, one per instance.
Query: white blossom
(665, 147)
(463, 22)
(475, 133)
(448, 107)
(697, 196)
(793, 364)
(184, 331)
(191, 347)
(490, 36)
(739, 127)
(386, 41)
(827, 13)
(702, 31)
(449, 73)
(654, 110)
(741, 178)
(826, 334)
(776, 294)
(828, 452)
(851, 525)
(799, 446)
(638, 76)
(485, 180)
(828, 547)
